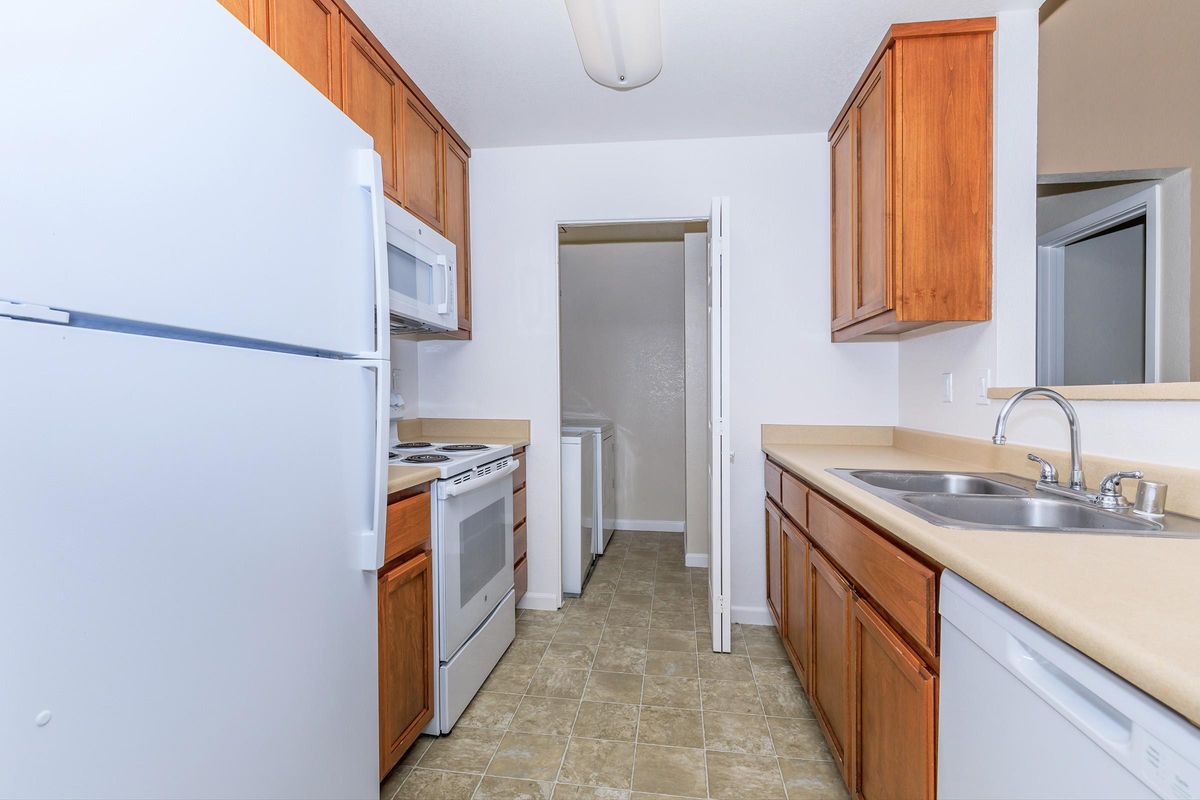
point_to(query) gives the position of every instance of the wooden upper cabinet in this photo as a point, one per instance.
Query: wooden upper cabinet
(775, 564)
(421, 141)
(307, 35)
(795, 596)
(371, 96)
(911, 173)
(405, 656)
(830, 600)
(458, 224)
(251, 13)
(894, 698)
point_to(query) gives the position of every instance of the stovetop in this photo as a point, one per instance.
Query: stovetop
(449, 458)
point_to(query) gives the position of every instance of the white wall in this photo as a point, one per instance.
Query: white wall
(405, 352)
(695, 395)
(622, 357)
(784, 368)
(1164, 432)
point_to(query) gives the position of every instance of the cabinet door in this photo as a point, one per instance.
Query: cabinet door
(829, 656)
(841, 156)
(894, 698)
(775, 564)
(872, 115)
(422, 144)
(405, 657)
(371, 97)
(795, 596)
(306, 34)
(458, 224)
(251, 13)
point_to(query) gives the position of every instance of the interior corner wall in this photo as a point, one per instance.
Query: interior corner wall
(784, 368)
(622, 357)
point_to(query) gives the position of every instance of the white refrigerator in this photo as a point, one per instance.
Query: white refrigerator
(193, 354)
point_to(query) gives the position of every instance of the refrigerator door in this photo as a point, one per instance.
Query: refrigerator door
(184, 609)
(174, 171)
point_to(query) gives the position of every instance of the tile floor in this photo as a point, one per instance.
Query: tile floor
(618, 696)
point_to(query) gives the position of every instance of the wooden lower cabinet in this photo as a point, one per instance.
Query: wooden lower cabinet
(830, 600)
(894, 699)
(795, 594)
(775, 563)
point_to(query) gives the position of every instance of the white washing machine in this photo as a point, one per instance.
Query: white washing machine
(578, 510)
(605, 478)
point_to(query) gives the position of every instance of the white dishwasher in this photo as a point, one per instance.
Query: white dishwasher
(1024, 715)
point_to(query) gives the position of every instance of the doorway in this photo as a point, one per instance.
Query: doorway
(638, 354)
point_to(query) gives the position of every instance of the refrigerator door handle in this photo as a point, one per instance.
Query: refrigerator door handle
(371, 177)
(374, 539)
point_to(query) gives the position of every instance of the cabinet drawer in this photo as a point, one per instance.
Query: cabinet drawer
(521, 578)
(772, 476)
(795, 500)
(408, 524)
(518, 507)
(899, 584)
(519, 472)
(520, 543)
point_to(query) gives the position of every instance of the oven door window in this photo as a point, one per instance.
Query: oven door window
(481, 552)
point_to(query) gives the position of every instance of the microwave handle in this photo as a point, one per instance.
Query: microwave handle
(444, 306)
(454, 490)
(371, 177)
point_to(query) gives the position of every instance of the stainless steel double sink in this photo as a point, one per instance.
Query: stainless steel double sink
(997, 501)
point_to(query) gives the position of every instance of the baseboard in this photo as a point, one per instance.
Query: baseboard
(539, 602)
(651, 525)
(752, 615)
(696, 560)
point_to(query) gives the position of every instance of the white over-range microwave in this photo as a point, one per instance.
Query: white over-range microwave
(421, 274)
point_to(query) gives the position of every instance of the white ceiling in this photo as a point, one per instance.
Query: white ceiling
(506, 72)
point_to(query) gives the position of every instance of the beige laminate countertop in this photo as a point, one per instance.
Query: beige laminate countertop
(1131, 603)
(401, 478)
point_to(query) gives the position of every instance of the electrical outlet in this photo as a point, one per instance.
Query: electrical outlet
(983, 382)
(947, 387)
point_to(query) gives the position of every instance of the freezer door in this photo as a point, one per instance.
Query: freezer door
(184, 611)
(173, 170)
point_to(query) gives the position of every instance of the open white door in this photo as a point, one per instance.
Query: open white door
(720, 454)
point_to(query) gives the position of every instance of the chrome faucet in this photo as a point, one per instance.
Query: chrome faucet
(1077, 483)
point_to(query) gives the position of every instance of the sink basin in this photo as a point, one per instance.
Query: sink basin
(1030, 513)
(935, 482)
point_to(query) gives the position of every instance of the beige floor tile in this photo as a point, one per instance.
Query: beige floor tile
(765, 648)
(593, 762)
(677, 727)
(613, 687)
(660, 690)
(784, 700)
(635, 586)
(490, 710)
(417, 750)
(812, 780)
(587, 614)
(565, 791)
(798, 738)
(494, 788)
(528, 755)
(391, 784)
(675, 641)
(629, 617)
(774, 670)
(558, 682)
(524, 651)
(726, 667)
(607, 721)
(737, 697)
(674, 665)
(462, 750)
(432, 784)
(673, 620)
(569, 656)
(537, 615)
(620, 658)
(533, 629)
(554, 715)
(578, 633)
(676, 770)
(509, 678)
(639, 601)
(737, 733)
(620, 634)
(736, 776)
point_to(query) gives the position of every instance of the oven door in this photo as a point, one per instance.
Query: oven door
(475, 553)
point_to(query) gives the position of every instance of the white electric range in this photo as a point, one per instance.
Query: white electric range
(474, 600)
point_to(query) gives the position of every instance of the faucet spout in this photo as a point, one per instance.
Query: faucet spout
(1077, 480)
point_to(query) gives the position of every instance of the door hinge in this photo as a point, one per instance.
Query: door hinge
(723, 604)
(34, 312)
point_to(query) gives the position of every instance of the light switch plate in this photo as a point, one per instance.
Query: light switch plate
(983, 382)
(947, 387)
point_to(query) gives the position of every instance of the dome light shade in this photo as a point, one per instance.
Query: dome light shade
(620, 41)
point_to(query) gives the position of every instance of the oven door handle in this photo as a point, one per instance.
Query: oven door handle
(454, 490)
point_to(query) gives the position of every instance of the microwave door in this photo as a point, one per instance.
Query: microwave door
(412, 282)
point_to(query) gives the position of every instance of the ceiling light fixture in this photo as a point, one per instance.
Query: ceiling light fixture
(620, 41)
